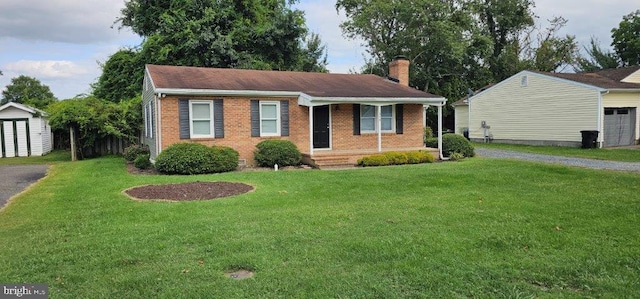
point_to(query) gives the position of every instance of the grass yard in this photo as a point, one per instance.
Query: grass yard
(50, 158)
(482, 228)
(612, 154)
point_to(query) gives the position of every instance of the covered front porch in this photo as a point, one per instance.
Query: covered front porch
(343, 130)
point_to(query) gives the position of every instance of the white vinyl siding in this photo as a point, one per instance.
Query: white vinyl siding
(368, 122)
(461, 118)
(547, 109)
(201, 119)
(269, 118)
(633, 78)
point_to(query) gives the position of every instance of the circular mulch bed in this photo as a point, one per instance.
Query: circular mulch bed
(188, 191)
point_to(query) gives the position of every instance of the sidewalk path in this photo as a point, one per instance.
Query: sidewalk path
(578, 162)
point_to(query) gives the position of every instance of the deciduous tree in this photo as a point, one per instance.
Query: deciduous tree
(596, 58)
(626, 39)
(27, 90)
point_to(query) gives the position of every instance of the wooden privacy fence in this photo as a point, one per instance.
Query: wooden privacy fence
(109, 145)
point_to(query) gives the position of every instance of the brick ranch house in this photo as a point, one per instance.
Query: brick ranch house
(333, 119)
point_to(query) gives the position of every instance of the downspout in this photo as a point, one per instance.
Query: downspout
(600, 126)
(310, 131)
(157, 122)
(379, 121)
(440, 132)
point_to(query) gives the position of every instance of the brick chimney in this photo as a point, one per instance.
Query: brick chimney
(399, 69)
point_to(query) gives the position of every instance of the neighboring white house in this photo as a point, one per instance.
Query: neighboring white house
(24, 131)
(553, 108)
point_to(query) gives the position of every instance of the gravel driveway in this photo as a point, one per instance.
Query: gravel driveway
(579, 162)
(15, 178)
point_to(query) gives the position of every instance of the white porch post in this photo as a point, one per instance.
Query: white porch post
(379, 122)
(311, 130)
(440, 130)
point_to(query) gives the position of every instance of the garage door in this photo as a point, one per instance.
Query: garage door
(14, 141)
(619, 126)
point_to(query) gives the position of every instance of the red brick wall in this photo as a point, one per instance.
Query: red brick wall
(343, 138)
(237, 127)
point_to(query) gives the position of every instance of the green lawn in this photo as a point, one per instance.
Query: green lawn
(50, 158)
(481, 228)
(613, 154)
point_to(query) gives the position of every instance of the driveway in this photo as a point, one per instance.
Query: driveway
(578, 162)
(15, 178)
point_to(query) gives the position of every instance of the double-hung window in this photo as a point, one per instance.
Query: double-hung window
(201, 116)
(368, 118)
(269, 118)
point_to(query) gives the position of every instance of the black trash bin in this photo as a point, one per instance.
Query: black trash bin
(589, 138)
(465, 133)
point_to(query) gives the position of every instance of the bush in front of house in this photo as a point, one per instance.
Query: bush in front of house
(454, 143)
(281, 152)
(431, 142)
(225, 158)
(427, 134)
(132, 152)
(195, 158)
(396, 158)
(142, 161)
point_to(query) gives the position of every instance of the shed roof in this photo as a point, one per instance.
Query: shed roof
(323, 85)
(22, 107)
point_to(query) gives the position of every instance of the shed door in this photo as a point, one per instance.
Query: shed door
(619, 126)
(14, 138)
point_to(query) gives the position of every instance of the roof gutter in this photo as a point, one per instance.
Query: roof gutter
(303, 98)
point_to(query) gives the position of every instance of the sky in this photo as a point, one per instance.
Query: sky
(63, 42)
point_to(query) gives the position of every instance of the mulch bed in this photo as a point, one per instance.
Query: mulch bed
(188, 191)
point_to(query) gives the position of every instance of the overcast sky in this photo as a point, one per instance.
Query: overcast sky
(61, 42)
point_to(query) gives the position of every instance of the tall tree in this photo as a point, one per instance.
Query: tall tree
(503, 22)
(596, 59)
(121, 77)
(548, 52)
(626, 39)
(253, 34)
(314, 55)
(218, 33)
(27, 90)
(430, 33)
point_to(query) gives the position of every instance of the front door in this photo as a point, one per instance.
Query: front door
(321, 126)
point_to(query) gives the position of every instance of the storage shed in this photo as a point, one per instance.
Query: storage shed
(24, 131)
(553, 108)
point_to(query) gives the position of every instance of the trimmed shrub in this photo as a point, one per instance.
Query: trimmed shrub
(225, 158)
(195, 158)
(426, 157)
(281, 152)
(431, 142)
(396, 158)
(454, 143)
(456, 156)
(428, 133)
(142, 161)
(133, 151)
(375, 160)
